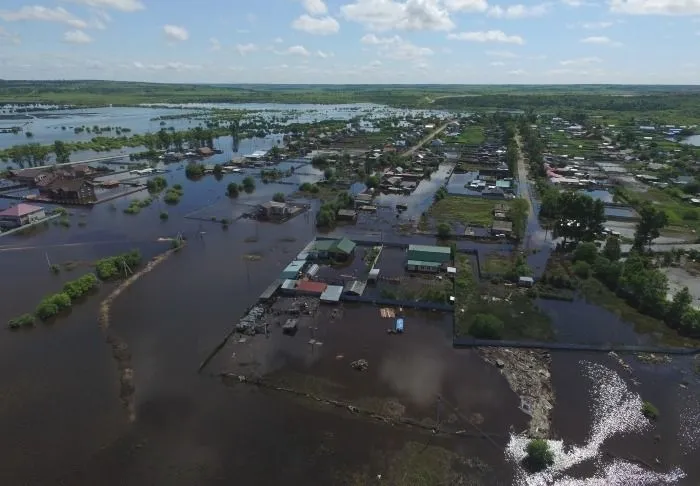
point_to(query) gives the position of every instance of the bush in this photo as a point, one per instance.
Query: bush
(52, 305)
(248, 184)
(164, 215)
(194, 170)
(156, 184)
(113, 267)
(77, 288)
(173, 195)
(486, 326)
(278, 197)
(25, 320)
(232, 190)
(539, 455)
(650, 411)
(305, 187)
(582, 269)
(443, 231)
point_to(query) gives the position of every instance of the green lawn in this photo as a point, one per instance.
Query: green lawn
(472, 135)
(463, 209)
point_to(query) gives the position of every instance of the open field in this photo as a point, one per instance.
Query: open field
(473, 135)
(681, 215)
(464, 210)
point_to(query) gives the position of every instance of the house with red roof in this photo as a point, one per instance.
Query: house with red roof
(19, 215)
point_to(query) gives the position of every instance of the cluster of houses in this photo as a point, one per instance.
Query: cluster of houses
(65, 185)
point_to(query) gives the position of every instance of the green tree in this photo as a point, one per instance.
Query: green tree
(582, 269)
(539, 455)
(218, 170)
(486, 326)
(612, 250)
(248, 184)
(518, 214)
(372, 182)
(678, 307)
(443, 231)
(61, 152)
(278, 197)
(652, 221)
(586, 252)
(232, 190)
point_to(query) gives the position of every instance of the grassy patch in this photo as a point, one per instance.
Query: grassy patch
(497, 264)
(473, 135)
(464, 210)
(682, 216)
(424, 288)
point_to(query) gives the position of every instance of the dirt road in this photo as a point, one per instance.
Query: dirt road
(523, 186)
(426, 139)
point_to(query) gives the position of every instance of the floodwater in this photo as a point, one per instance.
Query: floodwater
(63, 423)
(694, 140)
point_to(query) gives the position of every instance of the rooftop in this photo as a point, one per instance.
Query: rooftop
(20, 210)
(434, 249)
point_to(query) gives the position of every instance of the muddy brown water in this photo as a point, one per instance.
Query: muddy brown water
(60, 413)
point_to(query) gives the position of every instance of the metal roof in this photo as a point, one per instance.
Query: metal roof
(418, 263)
(430, 248)
(332, 293)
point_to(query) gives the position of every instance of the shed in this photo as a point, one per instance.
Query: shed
(501, 227)
(310, 287)
(356, 287)
(270, 291)
(399, 324)
(374, 275)
(347, 214)
(452, 270)
(292, 270)
(428, 253)
(420, 266)
(313, 270)
(526, 282)
(332, 294)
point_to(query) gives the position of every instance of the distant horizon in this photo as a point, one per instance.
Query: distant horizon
(425, 84)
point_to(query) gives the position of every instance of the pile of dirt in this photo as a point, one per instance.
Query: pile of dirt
(527, 372)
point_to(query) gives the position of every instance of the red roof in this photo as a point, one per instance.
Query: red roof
(309, 286)
(21, 210)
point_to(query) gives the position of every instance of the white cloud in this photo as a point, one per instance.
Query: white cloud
(317, 26)
(244, 49)
(396, 47)
(214, 44)
(315, 7)
(123, 5)
(578, 3)
(324, 55)
(581, 61)
(517, 72)
(601, 40)
(8, 37)
(297, 51)
(466, 5)
(173, 66)
(382, 15)
(44, 14)
(656, 7)
(596, 25)
(278, 40)
(76, 37)
(487, 36)
(518, 11)
(175, 33)
(497, 63)
(502, 54)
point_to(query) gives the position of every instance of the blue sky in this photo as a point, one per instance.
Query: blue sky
(352, 41)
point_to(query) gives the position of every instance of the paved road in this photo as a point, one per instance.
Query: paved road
(426, 139)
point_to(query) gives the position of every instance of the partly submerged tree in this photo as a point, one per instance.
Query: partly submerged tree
(539, 455)
(652, 221)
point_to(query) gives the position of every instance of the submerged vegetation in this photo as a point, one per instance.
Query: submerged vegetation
(117, 266)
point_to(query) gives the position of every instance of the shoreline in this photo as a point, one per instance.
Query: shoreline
(120, 349)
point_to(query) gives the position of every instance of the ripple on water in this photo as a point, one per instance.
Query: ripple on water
(616, 411)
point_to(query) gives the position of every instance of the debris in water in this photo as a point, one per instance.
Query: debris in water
(360, 365)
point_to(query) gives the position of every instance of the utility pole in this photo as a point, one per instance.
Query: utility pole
(48, 262)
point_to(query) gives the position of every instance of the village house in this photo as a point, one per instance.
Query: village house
(20, 215)
(69, 191)
(427, 258)
(275, 210)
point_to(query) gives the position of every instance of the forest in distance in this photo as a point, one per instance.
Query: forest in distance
(627, 98)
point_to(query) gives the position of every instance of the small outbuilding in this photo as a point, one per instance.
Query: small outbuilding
(429, 253)
(526, 282)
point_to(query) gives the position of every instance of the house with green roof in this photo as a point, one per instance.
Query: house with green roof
(427, 258)
(341, 249)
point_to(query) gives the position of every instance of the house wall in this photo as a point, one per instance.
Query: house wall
(421, 268)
